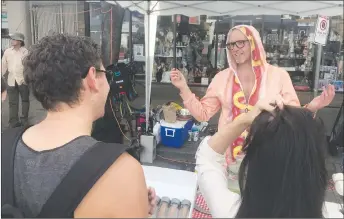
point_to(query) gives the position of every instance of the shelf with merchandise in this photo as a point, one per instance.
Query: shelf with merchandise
(292, 52)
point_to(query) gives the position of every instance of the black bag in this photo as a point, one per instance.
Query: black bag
(121, 83)
(337, 133)
(106, 128)
(73, 187)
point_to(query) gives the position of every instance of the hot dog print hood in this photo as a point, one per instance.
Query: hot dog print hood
(239, 103)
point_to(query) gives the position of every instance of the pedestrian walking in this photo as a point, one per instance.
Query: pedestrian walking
(12, 63)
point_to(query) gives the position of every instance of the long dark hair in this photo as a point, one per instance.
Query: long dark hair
(283, 173)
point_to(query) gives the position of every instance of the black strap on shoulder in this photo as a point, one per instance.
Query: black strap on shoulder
(80, 179)
(9, 141)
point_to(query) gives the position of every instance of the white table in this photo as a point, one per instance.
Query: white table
(172, 183)
(183, 185)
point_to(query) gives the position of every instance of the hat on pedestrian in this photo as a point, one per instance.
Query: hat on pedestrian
(17, 36)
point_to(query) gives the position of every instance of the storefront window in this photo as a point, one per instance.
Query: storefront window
(95, 22)
(286, 42)
(331, 69)
(164, 43)
(286, 39)
(138, 39)
(124, 50)
(194, 44)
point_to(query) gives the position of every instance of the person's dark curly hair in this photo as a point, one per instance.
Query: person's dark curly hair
(55, 67)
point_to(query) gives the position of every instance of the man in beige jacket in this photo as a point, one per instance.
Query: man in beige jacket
(12, 63)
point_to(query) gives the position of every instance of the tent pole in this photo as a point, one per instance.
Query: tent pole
(174, 41)
(148, 79)
(130, 37)
(216, 43)
(32, 24)
(317, 69)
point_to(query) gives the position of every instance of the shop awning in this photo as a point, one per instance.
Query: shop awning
(152, 9)
(218, 8)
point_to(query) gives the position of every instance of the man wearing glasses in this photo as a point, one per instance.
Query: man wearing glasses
(66, 75)
(236, 89)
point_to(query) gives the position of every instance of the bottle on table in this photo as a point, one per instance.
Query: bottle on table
(184, 209)
(165, 203)
(173, 210)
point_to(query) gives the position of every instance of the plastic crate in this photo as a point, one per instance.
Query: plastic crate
(175, 134)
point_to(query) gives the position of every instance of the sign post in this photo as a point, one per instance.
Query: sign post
(320, 38)
(321, 30)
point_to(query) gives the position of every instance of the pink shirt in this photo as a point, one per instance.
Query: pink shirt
(218, 95)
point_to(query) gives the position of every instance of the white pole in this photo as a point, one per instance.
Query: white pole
(32, 23)
(61, 18)
(148, 82)
(76, 19)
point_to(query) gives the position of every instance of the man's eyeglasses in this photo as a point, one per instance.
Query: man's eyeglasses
(108, 74)
(239, 44)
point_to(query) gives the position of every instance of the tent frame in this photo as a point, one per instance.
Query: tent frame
(151, 13)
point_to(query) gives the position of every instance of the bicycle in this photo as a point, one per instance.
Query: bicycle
(127, 115)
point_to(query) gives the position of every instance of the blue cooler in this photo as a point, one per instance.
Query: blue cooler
(175, 134)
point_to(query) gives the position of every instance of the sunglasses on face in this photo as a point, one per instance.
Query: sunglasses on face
(239, 44)
(108, 74)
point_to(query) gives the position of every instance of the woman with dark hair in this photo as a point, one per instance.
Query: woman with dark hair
(283, 173)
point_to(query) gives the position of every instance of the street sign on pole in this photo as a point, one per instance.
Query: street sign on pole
(321, 30)
(320, 38)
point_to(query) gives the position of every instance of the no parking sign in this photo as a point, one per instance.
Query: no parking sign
(321, 30)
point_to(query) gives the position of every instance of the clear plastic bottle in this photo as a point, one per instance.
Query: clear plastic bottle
(173, 209)
(184, 209)
(165, 203)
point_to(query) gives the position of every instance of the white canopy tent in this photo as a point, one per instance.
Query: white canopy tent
(152, 9)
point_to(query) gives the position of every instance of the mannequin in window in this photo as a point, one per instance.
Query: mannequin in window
(192, 55)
